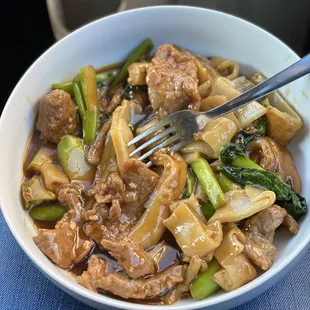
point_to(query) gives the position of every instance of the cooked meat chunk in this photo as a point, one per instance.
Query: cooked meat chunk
(95, 150)
(116, 94)
(122, 226)
(259, 231)
(57, 116)
(128, 193)
(130, 255)
(140, 182)
(266, 222)
(100, 226)
(63, 245)
(172, 81)
(259, 250)
(71, 196)
(137, 73)
(103, 191)
(97, 278)
(107, 217)
(108, 193)
(291, 224)
(97, 231)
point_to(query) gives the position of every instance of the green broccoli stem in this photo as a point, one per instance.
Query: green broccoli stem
(232, 154)
(190, 183)
(87, 78)
(227, 184)
(106, 76)
(78, 96)
(244, 161)
(145, 47)
(101, 77)
(207, 179)
(88, 87)
(204, 286)
(90, 126)
(66, 86)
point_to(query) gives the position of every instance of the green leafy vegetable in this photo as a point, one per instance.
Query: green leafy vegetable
(243, 138)
(286, 197)
(207, 210)
(130, 88)
(261, 126)
(232, 154)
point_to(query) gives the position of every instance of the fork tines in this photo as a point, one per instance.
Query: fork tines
(165, 138)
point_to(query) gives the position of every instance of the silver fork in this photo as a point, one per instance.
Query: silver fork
(180, 126)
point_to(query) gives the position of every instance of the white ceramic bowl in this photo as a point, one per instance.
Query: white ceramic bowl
(109, 40)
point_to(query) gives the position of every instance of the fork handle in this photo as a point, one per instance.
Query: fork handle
(292, 73)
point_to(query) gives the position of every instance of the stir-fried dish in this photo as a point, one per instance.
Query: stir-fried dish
(196, 221)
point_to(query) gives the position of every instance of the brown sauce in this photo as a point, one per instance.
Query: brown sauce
(172, 254)
(78, 269)
(44, 224)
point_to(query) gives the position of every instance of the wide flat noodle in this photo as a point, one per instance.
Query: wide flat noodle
(237, 270)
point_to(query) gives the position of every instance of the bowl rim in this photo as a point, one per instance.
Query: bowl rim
(77, 290)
